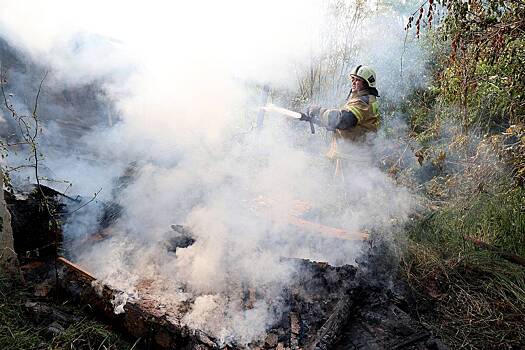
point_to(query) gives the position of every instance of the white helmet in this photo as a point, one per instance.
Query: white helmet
(366, 73)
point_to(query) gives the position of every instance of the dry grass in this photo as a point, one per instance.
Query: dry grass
(472, 300)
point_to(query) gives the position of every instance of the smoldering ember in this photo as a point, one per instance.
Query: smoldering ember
(329, 174)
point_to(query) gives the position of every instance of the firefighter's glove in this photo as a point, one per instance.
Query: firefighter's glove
(313, 114)
(331, 118)
(315, 111)
(305, 117)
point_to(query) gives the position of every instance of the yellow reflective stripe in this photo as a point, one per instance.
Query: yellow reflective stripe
(357, 112)
(375, 107)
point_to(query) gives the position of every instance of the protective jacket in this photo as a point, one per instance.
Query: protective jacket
(352, 122)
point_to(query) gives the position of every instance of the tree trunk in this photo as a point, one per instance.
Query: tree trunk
(8, 258)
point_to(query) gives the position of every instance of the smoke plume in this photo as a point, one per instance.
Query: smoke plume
(182, 81)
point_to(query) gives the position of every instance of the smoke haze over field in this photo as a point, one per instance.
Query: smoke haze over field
(178, 75)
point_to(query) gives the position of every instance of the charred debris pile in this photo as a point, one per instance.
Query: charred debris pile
(328, 307)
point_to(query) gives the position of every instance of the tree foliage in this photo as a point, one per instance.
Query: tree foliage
(481, 75)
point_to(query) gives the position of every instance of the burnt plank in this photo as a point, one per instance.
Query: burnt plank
(155, 330)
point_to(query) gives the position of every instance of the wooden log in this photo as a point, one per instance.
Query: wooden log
(331, 329)
(77, 269)
(156, 331)
(329, 231)
(266, 207)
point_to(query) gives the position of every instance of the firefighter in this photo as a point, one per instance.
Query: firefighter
(358, 117)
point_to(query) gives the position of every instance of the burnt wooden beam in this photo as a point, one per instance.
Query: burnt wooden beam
(75, 268)
(155, 330)
(266, 208)
(328, 231)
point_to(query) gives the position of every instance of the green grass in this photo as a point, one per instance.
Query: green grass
(15, 331)
(88, 334)
(495, 218)
(477, 297)
(18, 331)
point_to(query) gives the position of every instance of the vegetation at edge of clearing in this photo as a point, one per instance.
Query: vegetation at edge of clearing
(470, 125)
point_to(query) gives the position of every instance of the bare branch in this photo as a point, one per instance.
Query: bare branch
(83, 205)
(11, 169)
(38, 93)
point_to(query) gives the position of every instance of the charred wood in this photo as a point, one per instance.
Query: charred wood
(32, 232)
(412, 339)
(156, 331)
(182, 239)
(331, 329)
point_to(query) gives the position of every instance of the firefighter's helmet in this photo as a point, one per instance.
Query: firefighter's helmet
(366, 73)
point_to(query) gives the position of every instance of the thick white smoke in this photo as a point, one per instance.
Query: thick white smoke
(179, 72)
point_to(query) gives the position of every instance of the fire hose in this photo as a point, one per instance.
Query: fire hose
(292, 114)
